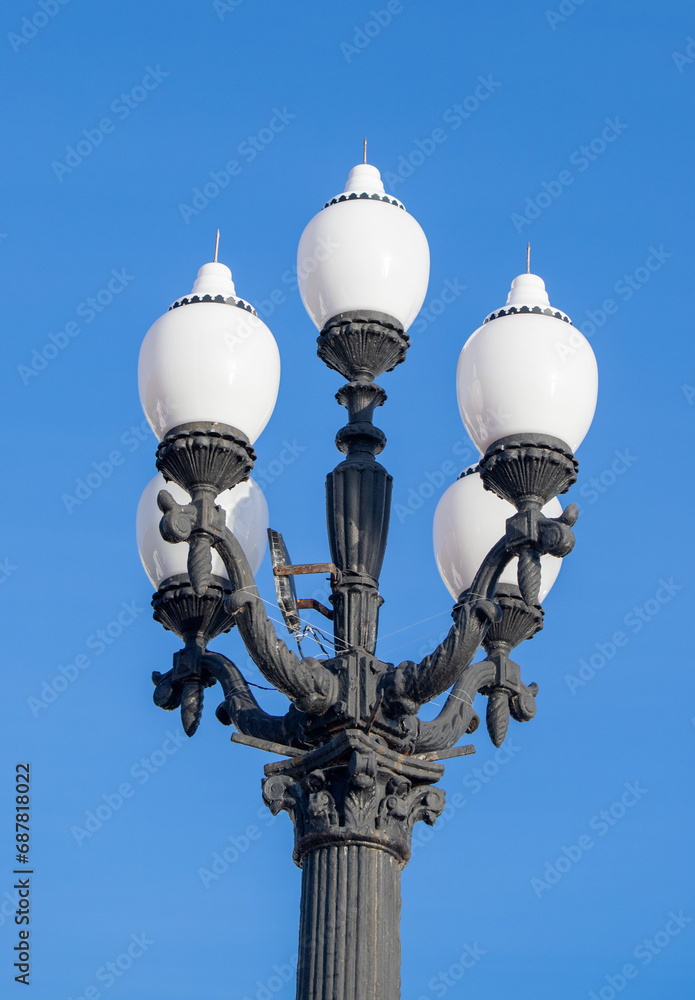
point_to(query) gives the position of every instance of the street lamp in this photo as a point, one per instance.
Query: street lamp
(358, 765)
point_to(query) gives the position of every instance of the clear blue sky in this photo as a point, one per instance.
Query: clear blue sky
(569, 126)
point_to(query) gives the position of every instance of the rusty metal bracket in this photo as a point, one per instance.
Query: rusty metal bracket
(307, 568)
(312, 605)
(284, 572)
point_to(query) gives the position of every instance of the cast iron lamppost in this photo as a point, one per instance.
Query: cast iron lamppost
(359, 766)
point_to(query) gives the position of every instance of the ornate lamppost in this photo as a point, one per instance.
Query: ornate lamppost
(359, 768)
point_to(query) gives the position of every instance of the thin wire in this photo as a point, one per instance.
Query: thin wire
(314, 633)
(307, 625)
(316, 636)
(269, 603)
(308, 628)
(346, 646)
(414, 624)
(404, 645)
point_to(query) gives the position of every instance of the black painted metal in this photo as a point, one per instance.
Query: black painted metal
(506, 694)
(205, 454)
(528, 469)
(362, 345)
(179, 609)
(358, 781)
(353, 802)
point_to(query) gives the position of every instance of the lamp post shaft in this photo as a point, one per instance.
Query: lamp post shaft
(360, 346)
(349, 938)
(358, 505)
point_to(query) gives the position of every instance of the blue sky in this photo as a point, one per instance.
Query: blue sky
(566, 125)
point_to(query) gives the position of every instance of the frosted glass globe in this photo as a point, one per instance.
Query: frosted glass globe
(468, 521)
(363, 251)
(246, 516)
(526, 371)
(209, 359)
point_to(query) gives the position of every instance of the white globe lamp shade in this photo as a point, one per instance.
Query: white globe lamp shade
(246, 516)
(209, 358)
(527, 370)
(468, 521)
(363, 252)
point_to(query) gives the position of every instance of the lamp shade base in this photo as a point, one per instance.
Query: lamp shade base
(203, 453)
(528, 469)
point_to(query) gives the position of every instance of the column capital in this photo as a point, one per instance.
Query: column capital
(353, 790)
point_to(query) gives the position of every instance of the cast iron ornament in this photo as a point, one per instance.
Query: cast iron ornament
(359, 763)
(354, 690)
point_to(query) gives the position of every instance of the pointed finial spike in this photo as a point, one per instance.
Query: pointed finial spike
(528, 258)
(217, 246)
(364, 155)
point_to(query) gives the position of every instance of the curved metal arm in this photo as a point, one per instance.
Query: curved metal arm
(306, 682)
(457, 717)
(410, 685)
(491, 569)
(241, 708)
(529, 534)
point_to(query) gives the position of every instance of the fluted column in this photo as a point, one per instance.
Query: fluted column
(349, 939)
(353, 803)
